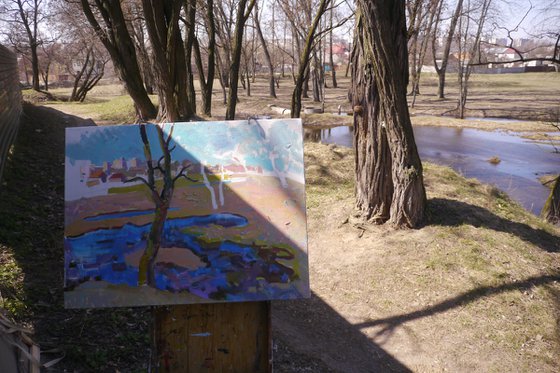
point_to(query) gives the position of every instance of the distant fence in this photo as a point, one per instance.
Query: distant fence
(515, 70)
(10, 103)
(497, 70)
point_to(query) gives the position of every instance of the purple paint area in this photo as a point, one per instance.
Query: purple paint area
(230, 270)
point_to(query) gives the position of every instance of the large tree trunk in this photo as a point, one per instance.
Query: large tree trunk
(190, 10)
(303, 69)
(162, 23)
(383, 121)
(207, 84)
(551, 209)
(236, 56)
(120, 46)
(374, 185)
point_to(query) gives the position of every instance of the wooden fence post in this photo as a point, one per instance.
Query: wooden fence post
(217, 337)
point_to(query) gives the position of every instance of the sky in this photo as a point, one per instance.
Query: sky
(543, 14)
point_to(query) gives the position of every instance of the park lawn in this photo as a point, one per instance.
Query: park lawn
(531, 98)
(105, 104)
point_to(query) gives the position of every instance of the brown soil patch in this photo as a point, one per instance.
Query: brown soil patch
(176, 255)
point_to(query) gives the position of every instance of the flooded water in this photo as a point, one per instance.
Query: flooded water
(468, 150)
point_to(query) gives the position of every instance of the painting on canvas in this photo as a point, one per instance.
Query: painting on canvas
(185, 213)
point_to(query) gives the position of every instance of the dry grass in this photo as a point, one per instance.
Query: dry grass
(477, 289)
(529, 98)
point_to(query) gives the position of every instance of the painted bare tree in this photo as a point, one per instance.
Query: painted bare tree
(389, 180)
(160, 195)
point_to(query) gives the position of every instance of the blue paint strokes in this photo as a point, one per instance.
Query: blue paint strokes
(201, 334)
(230, 271)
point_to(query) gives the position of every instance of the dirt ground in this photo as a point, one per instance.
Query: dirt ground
(476, 289)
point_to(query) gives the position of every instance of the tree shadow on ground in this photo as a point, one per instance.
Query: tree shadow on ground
(389, 324)
(452, 213)
(312, 328)
(31, 231)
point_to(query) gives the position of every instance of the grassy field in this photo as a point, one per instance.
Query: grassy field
(530, 98)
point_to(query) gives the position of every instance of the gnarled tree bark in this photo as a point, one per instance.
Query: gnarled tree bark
(551, 209)
(384, 139)
(116, 39)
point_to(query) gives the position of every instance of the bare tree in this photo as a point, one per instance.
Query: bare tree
(304, 57)
(108, 21)
(551, 209)
(389, 180)
(207, 80)
(420, 42)
(442, 69)
(162, 23)
(244, 9)
(268, 59)
(49, 52)
(24, 18)
(469, 48)
(331, 57)
(224, 24)
(190, 34)
(82, 54)
(87, 65)
(137, 27)
(546, 33)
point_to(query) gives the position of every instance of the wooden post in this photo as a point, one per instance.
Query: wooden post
(218, 337)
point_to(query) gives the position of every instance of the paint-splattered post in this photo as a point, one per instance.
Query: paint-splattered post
(224, 337)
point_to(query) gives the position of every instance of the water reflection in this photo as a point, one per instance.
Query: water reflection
(468, 150)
